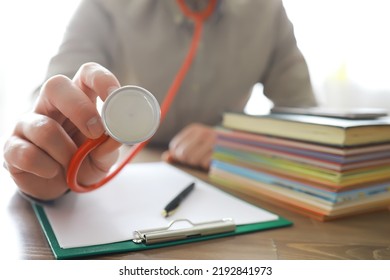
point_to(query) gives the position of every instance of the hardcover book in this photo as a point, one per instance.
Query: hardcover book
(316, 129)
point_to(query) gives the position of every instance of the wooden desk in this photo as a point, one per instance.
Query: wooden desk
(362, 237)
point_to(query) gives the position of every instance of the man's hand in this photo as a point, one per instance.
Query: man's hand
(39, 150)
(192, 146)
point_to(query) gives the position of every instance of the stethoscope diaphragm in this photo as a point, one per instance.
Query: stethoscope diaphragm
(131, 115)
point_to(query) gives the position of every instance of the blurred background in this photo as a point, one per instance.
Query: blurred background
(345, 42)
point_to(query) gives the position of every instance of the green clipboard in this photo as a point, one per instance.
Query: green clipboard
(233, 216)
(129, 246)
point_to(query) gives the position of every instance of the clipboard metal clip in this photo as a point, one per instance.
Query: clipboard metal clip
(166, 234)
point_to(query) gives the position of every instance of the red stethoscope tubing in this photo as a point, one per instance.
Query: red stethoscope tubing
(199, 18)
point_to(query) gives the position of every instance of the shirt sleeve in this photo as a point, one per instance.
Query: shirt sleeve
(287, 81)
(89, 37)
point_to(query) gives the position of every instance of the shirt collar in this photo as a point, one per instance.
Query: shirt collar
(179, 18)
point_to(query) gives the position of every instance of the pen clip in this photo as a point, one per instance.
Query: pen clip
(166, 234)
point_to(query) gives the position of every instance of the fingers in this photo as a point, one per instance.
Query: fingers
(35, 173)
(166, 156)
(38, 154)
(47, 135)
(105, 155)
(33, 170)
(193, 146)
(95, 80)
(62, 98)
(22, 156)
(41, 188)
(39, 151)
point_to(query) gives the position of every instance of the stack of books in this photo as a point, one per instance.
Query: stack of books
(322, 167)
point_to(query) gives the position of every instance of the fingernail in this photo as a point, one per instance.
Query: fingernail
(95, 127)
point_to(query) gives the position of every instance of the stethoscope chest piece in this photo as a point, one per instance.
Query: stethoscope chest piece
(131, 115)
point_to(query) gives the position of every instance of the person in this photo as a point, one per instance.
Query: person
(143, 42)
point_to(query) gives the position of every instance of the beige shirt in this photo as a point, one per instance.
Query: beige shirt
(144, 42)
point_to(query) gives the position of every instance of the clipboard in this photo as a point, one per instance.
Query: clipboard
(155, 237)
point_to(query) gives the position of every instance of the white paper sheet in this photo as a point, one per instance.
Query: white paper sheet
(135, 199)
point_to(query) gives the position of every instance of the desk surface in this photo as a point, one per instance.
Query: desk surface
(361, 237)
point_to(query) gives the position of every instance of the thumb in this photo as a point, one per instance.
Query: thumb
(104, 156)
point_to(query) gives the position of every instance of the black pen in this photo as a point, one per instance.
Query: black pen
(171, 206)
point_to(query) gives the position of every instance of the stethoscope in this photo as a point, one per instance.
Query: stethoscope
(125, 109)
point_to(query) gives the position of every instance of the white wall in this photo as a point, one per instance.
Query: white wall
(31, 32)
(347, 47)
